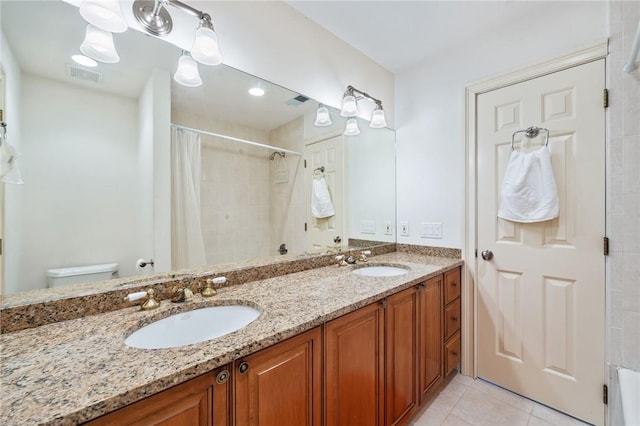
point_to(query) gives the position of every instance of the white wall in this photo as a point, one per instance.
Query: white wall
(12, 193)
(64, 213)
(275, 42)
(430, 109)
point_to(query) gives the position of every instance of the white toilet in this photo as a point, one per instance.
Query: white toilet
(81, 274)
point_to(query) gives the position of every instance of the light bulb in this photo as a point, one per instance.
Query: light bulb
(378, 120)
(349, 106)
(323, 119)
(351, 129)
(187, 73)
(104, 14)
(98, 45)
(205, 46)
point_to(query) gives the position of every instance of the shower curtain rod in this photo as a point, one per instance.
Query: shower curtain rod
(231, 138)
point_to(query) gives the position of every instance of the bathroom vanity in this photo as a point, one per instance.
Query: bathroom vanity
(328, 344)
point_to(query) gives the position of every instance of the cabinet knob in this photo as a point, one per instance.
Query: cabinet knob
(222, 377)
(243, 368)
(454, 284)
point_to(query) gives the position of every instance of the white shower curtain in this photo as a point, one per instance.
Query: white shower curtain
(187, 249)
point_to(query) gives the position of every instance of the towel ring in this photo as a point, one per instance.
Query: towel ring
(530, 132)
(319, 169)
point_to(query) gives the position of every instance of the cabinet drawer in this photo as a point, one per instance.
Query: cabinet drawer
(451, 353)
(451, 285)
(451, 318)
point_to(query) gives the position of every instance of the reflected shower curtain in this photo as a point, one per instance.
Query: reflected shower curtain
(187, 249)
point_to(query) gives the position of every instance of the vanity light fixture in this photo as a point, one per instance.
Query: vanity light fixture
(352, 129)
(205, 46)
(350, 109)
(187, 73)
(98, 45)
(323, 119)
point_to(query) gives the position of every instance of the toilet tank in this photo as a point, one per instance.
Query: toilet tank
(81, 274)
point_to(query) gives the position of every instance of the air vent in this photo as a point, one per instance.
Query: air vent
(298, 100)
(83, 74)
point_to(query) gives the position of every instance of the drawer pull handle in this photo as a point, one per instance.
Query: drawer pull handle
(454, 284)
(243, 368)
(454, 353)
(454, 318)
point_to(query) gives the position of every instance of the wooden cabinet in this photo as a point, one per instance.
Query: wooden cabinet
(280, 385)
(354, 368)
(201, 401)
(401, 356)
(430, 337)
(452, 320)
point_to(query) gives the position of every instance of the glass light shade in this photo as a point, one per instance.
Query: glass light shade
(377, 119)
(98, 45)
(323, 119)
(205, 47)
(351, 129)
(187, 73)
(104, 14)
(349, 106)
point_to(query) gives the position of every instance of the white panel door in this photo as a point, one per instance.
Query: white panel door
(327, 153)
(541, 297)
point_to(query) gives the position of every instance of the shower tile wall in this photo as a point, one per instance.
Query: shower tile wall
(623, 191)
(287, 198)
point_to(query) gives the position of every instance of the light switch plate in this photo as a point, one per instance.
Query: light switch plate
(404, 229)
(368, 226)
(431, 230)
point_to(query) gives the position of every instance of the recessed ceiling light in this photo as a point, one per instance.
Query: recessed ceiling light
(256, 91)
(84, 60)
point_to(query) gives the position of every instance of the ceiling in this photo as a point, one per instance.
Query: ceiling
(400, 34)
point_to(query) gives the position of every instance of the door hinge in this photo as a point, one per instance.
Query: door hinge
(605, 98)
(305, 227)
(305, 164)
(476, 253)
(0, 246)
(605, 394)
(605, 248)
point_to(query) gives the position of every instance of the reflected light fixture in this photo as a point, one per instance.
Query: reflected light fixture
(256, 90)
(205, 46)
(378, 120)
(352, 129)
(349, 104)
(98, 45)
(323, 119)
(104, 14)
(187, 73)
(84, 60)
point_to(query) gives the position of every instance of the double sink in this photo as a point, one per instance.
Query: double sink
(187, 328)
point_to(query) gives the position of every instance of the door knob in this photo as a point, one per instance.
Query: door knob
(487, 254)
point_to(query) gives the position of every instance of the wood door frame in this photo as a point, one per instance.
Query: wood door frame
(593, 52)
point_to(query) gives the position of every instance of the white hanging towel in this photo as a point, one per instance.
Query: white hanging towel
(529, 192)
(321, 205)
(9, 170)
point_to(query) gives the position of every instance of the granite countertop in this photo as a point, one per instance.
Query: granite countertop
(73, 371)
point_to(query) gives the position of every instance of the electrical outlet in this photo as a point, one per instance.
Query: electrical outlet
(404, 229)
(388, 227)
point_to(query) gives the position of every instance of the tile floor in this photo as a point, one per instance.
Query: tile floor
(468, 402)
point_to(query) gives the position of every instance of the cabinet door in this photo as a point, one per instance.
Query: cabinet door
(354, 368)
(280, 385)
(187, 404)
(430, 336)
(401, 356)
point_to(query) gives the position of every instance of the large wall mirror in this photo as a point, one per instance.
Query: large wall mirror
(120, 162)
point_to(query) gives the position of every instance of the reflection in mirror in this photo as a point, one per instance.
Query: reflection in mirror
(121, 163)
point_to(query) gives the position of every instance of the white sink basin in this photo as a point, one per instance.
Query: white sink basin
(187, 328)
(380, 271)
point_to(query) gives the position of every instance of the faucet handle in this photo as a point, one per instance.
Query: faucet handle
(149, 303)
(364, 254)
(340, 259)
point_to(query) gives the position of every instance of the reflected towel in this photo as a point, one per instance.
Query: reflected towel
(321, 205)
(529, 192)
(9, 170)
